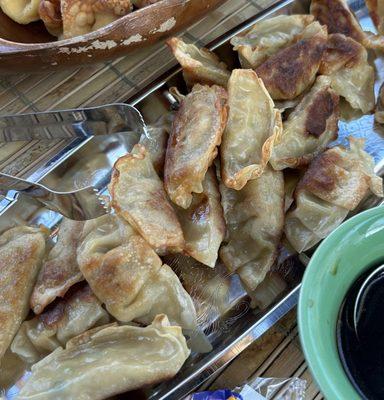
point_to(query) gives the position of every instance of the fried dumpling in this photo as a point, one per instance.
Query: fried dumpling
(376, 11)
(60, 270)
(290, 71)
(379, 113)
(203, 222)
(334, 184)
(345, 61)
(267, 37)
(253, 126)
(127, 275)
(155, 141)
(21, 11)
(309, 128)
(21, 254)
(77, 312)
(112, 360)
(255, 219)
(199, 65)
(139, 197)
(192, 146)
(338, 17)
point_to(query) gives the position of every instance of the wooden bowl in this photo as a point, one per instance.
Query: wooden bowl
(28, 48)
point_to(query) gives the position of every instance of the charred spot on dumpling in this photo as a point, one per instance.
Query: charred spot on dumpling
(324, 106)
(290, 71)
(338, 18)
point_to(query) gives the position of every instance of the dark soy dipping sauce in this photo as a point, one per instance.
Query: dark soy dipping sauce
(363, 356)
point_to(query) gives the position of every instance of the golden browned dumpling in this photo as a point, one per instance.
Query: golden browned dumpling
(21, 254)
(60, 270)
(203, 222)
(253, 126)
(255, 219)
(128, 276)
(376, 11)
(77, 312)
(345, 61)
(334, 184)
(290, 71)
(105, 362)
(192, 146)
(309, 128)
(199, 65)
(267, 37)
(139, 197)
(21, 11)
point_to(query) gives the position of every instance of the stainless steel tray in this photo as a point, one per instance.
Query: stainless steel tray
(232, 330)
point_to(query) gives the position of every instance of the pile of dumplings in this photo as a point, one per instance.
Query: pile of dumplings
(69, 18)
(101, 312)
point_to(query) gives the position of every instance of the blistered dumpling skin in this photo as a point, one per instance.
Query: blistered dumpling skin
(310, 127)
(60, 270)
(21, 254)
(345, 61)
(199, 65)
(290, 71)
(21, 11)
(139, 197)
(84, 16)
(267, 37)
(253, 126)
(127, 275)
(334, 184)
(77, 312)
(110, 361)
(255, 219)
(203, 222)
(192, 146)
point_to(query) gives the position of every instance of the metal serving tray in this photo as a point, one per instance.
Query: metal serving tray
(232, 327)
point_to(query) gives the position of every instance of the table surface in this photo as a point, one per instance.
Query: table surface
(278, 352)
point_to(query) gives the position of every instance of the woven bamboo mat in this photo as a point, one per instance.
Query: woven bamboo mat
(276, 354)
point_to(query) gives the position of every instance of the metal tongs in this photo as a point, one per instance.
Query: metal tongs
(85, 203)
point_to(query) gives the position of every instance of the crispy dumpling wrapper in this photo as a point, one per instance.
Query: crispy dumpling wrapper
(255, 219)
(338, 17)
(267, 37)
(203, 222)
(60, 270)
(127, 275)
(21, 11)
(310, 127)
(334, 184)
(293, 69)
(110, 361)
(22, 250)
(345, 61)
(199, 65)
(77, 312)
(192, 146)
(253, 126)
(138, 196)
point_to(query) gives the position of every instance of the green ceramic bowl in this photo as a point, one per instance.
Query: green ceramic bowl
(341, 258)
